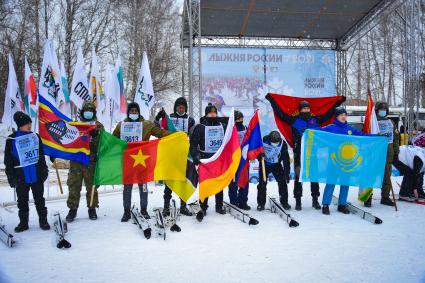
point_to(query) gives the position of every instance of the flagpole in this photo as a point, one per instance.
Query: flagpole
(57, 175)
(395, 203)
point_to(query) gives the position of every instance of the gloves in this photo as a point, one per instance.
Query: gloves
(52, 159)
(196, 161)
(260, 156)
(160, 114)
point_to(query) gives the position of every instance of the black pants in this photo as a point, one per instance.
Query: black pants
(167, 197)
(298, 186)
(411, 180)
(279, 175)
(218, 201)
(22, 192)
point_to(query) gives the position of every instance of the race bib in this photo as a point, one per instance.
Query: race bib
(131, 131)
(213, 138)
(386, 129)
(27, 147)
(241, 135)
(181, 124)
(271, 153)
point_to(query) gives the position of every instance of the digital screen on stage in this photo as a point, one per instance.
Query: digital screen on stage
(241, 77)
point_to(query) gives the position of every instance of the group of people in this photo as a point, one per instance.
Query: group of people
(25, 173)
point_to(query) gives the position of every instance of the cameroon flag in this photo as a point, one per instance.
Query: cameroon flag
(119, 162)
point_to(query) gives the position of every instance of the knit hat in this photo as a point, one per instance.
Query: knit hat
(339, 111)
(303, 104)
(21, 119)
(210, 108)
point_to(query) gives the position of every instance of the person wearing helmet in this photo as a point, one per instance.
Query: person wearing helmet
(339, 126)
(183, 123)
(135, 128)
(299, 123)
(79, 172)
(25, 168)
(239, 196)
(205, 140)
(275, 152)
(387, 129)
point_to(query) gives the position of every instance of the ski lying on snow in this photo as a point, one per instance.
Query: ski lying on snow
(6, 237)
(141, 221)
(61, 228)
(160, 223)
(171, 219)
(275, 207)
(196, 210)
(359, 212)
(239, 214)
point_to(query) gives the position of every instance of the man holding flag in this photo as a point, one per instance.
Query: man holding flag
(181, 122)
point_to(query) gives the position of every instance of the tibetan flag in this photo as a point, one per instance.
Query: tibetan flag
(216, 172)
(62, 138)
(119, 162)
(343, 159)
(252, 145)
(289, 105)
(370, 126)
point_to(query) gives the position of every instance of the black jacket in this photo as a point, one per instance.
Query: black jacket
(197, 138)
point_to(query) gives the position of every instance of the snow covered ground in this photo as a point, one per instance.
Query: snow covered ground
(335, 248)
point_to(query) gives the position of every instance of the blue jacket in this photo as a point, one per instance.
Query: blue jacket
(342, 128)
(23, 175)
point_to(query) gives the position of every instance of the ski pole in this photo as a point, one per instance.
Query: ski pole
(395, 203)
(57, 175)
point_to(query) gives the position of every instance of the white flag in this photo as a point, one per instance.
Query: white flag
(96, 91)
(61, 101)
(13, 100)
(144, 91)
(80, 87)
(48, 85)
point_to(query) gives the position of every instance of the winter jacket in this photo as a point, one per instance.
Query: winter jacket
(283, 156)
(342, 128)
(197, 139)
(149, 129)
(23, 175)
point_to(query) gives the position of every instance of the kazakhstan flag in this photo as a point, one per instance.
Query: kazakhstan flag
(343, 159)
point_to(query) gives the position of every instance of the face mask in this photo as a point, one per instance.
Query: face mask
(305, 115)
(275, 144)
(133, 117)
(88, 115)
(181, 114)
(239, 123)
(382, 113)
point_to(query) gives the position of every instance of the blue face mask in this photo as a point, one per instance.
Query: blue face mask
(88, 115)
(382, 113)
(133, 117)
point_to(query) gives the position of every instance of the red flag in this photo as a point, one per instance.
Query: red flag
(370, 125)
(289, 105)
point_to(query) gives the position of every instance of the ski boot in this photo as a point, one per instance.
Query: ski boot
(298, 204)
(126, 216)
(23, 222)
(343, 209)
(185, 211)
(325, 209)
(244, 206)
(220, 210)
(145, 213)
(260, 207)
(42, 220)
(315, 203)
(92, 213)
(368, 203)
(387, 201)
(71, 215)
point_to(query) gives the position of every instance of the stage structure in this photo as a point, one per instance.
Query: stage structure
(287, 24)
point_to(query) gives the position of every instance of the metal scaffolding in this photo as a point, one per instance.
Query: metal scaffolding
(192, 42)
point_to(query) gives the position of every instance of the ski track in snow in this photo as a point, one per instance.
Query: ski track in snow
(335, 248)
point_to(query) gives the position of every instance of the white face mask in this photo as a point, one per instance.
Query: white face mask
(275, 144)
(181, 114)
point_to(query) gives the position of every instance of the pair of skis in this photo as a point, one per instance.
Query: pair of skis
(161, 222)
(359, 212)
(61, 228)
(6, 237)
(275, 207)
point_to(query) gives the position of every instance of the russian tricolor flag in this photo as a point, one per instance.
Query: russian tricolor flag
(251, 147)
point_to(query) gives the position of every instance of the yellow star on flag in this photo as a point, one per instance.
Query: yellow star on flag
(139, 158)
